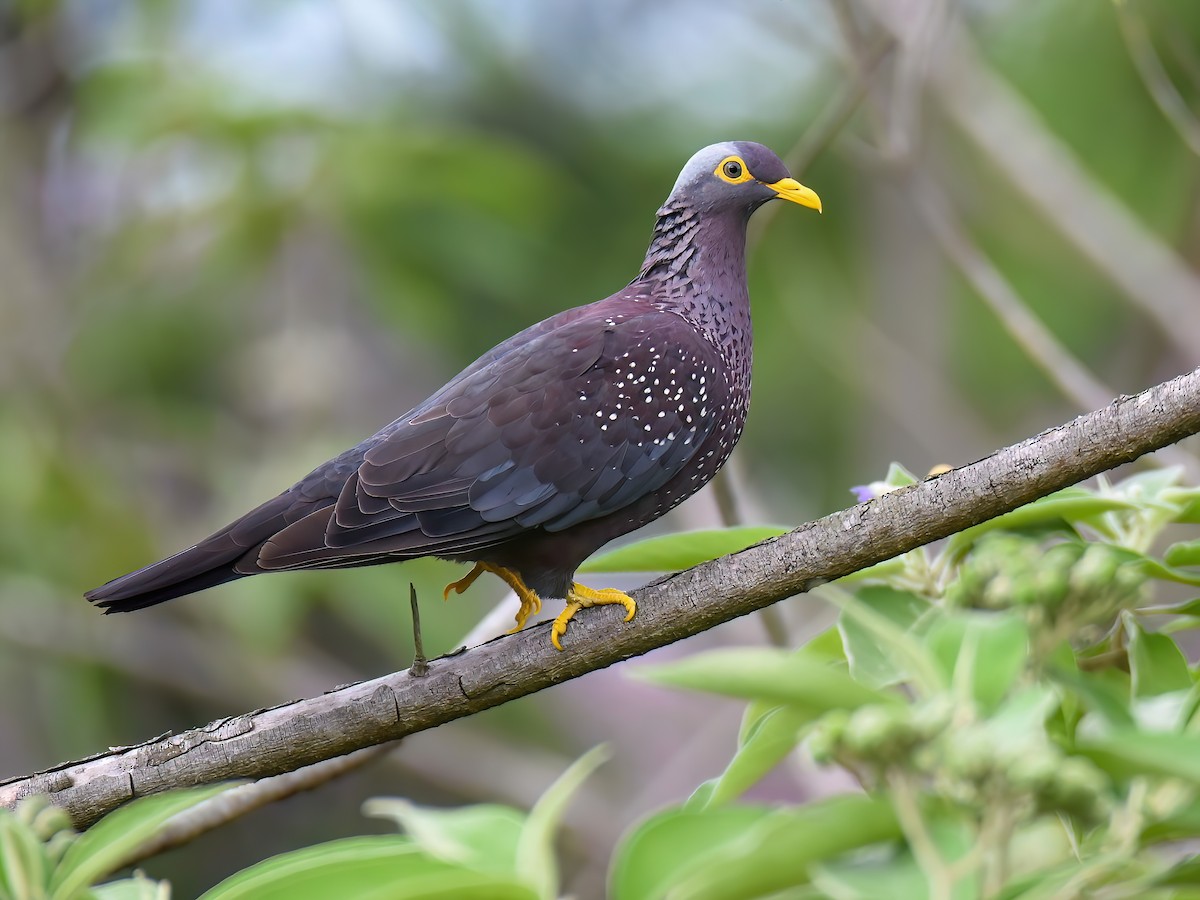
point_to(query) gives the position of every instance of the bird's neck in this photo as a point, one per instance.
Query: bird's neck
(686, 242)
(696, 267)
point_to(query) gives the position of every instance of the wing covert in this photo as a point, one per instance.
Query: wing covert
(574, 424)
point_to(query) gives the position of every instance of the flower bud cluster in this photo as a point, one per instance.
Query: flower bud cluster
(1069, 582)
(969, 763)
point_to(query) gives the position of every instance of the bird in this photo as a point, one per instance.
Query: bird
(577, 430)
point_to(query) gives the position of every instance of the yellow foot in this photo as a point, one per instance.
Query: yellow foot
(581, 597)
(460, 586)
(530, 602)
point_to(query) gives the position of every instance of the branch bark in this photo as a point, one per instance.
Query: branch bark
(288, 737)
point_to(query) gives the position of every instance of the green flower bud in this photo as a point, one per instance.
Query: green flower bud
(59, 844)
(1080, 789)
(929, 718)
(1050, 589)
(826, 738)
(49, 821)
(1034, 769)
(873, 730)
(28, 808)
(970, 755)
(1095, 570)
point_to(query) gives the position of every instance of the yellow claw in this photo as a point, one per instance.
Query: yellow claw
(581, 597)
(465, 582)
(530, 602)
(578, 597)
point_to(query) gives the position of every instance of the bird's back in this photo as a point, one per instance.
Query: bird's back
(584, 415)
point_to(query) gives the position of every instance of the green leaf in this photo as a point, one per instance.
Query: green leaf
(900, 876)
(982, 654)
(771, 738)
(882, 571)
(1149, 486)
(896, 878)
(1153, 568)
(1063, 507)
(482, 837)
(1183, 554)
(896, 641)
(1156, 664)
(1184, 608)
(1022, 717)
(23, 864)
(109, 844)
(682, 550)
(873, 661)
(1100, 693)
(137, 888)
(776, 852)
(536, 863)
(1183, 623)
(768, 674)
(898, 476)
(1181, 823)
(827, 645)
(1130, 753)
(1184, 872)
(379, 866)
(1186, 500)
(657, 853)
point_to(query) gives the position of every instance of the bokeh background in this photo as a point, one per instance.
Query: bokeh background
(236, 237)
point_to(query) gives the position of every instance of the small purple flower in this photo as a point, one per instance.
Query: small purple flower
(872, 491)
(863, 492)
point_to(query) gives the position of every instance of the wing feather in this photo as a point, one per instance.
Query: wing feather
(572, 424)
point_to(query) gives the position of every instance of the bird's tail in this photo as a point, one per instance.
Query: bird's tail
(225, 556)
(158, 583)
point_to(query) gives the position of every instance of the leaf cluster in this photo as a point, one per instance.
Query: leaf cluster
(1013, 705)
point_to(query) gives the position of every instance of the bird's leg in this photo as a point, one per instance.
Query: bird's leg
(581, 597)
(465, 582)
(530, 602)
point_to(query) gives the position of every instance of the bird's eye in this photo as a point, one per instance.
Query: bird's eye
(732, 170)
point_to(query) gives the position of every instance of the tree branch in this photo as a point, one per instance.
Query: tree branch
(287, 737)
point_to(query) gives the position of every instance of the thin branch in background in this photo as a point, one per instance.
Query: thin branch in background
(1017, 142)
(1038, 343)
(269, 742)
(1057, 363)
(854, 38)
(1154, 75)
(837, 114)
(834, 116)
(725, 493)
(1182, 49)
(831, 120)
(908, 81)
(917, 399)
(238, 801)
(726, 499)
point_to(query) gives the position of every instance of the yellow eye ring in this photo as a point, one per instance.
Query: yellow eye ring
(733, 170)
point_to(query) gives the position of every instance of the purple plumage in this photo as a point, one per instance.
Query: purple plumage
(575, 431)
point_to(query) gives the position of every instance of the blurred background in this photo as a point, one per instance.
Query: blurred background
(236, 237)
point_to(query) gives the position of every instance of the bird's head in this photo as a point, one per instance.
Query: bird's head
(738, 175)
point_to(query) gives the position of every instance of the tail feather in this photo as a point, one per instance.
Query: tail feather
(213, 561)
(127, 593)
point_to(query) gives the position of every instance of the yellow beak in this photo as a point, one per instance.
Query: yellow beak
(791, 189)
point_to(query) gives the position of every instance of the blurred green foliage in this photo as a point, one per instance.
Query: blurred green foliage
(1017, 719)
